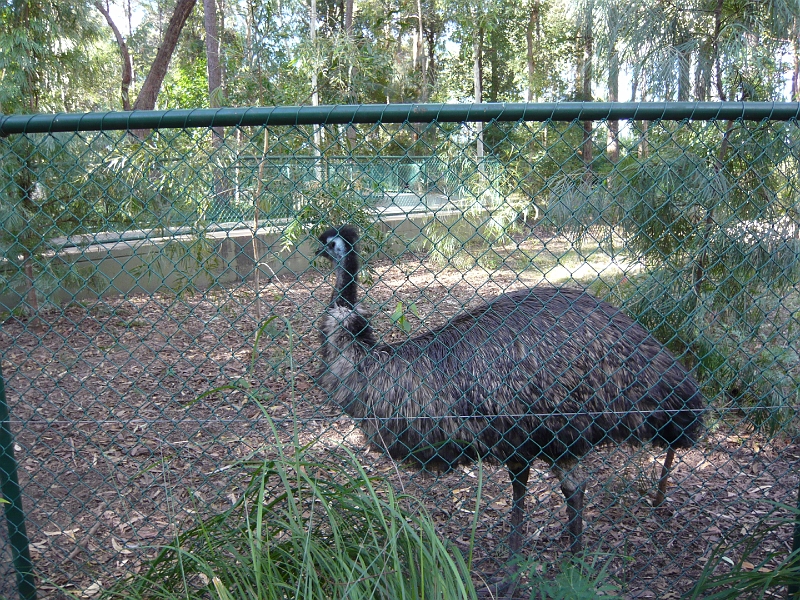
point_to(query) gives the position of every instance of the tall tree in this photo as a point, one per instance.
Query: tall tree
(214, 70)
(613, 26)
(127, 65)
(533, 39)
(350, 132)
(43, 62)
(44, 46)
(477, 80)
(420, 60)
(584, 77)
(213, 66)
(146, 100)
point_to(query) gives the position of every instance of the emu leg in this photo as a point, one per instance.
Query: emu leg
(573, 490)
(662, 482)
(506, 586)
(519, 486)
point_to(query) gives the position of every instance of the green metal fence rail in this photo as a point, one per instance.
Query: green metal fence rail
(396, 113)
(161, 294)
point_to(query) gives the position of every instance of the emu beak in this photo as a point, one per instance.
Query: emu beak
(322, 251)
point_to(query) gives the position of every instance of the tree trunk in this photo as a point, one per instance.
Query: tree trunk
(579, 58)
(494, 73)
(348, 17)
(127, 68)
(212, 51)
(613, 80)
(644, 147)
(248, 37)
(313, 32)
(146, 100)
(350, 131)
(684, 68)
(30, 295)
(796, 64)
(315, 91)
(214, 72)
(477, 79)
(223, 75)
(702, 75)
(718, 68)
(534, 27)
(129, 15)
(588, 50)
(422, 59)
(432, 65)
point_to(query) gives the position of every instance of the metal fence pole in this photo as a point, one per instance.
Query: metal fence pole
(793, 592)
(15, 516)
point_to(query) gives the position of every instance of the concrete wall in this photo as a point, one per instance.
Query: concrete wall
(146, 261)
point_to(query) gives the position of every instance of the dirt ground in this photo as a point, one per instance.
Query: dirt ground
(118, 446)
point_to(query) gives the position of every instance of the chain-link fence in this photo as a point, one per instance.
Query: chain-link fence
(161, 298)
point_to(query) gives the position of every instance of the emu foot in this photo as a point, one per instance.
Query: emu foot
(505, 584)
(503, 588)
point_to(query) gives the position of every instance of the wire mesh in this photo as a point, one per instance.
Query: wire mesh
(161, 297)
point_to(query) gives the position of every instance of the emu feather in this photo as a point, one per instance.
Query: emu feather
(543, 373)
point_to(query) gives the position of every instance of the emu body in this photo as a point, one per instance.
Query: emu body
(546, 373)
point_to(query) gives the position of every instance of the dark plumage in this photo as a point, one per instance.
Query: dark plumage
(544, 373)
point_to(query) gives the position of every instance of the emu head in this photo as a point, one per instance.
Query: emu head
(338, 243)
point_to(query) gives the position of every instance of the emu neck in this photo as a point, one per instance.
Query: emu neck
(346, 291)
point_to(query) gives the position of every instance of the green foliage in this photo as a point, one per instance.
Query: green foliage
(187, 85)
(575, 207)
(309, 525)
(400, 316)
(56, 188)
(745, 569)
(746, 362)
(722, 261)
(45, 48)
(409, 52)
(664, 199)
(577, 578)
(710, 218)
(334, 201)
(486, 213)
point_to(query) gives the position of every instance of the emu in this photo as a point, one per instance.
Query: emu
(546, 372)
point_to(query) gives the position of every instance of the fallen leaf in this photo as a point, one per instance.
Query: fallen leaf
(92, 590)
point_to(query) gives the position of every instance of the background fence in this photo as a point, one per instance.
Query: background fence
(143, 254)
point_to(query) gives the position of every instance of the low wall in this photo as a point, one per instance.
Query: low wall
(146, 261)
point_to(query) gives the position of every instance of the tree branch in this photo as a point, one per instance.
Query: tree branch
(146, 100)
(127, 68)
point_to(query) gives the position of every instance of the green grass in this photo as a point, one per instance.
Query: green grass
(743, 569)
(585, 577)
(311, 524)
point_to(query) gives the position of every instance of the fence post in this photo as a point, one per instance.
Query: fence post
(793, 593)
(15, 516)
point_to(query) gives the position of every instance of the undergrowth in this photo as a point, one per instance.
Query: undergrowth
(310, 524)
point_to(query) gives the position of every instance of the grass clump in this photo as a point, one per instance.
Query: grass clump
(586, 577)
(745, 569)
(309, 525)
